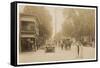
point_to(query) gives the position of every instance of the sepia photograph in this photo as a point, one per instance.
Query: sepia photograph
(54, 33)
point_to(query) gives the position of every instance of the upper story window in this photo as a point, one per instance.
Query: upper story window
(27, 26)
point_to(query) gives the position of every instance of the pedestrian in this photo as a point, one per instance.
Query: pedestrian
(67, 44)
(74, 47)
(79, 49)
(61, 44)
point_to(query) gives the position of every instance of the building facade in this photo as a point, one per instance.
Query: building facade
(28, 32)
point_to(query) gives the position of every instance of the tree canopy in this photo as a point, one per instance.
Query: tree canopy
(79, 22)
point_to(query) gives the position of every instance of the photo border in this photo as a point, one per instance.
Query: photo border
(14, 33)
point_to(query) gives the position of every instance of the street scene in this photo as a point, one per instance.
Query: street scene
(56, 34)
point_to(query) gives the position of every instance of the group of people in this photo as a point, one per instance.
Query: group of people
(71, 44)
(64, 44)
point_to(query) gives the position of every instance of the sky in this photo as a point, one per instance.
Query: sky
(57, 19)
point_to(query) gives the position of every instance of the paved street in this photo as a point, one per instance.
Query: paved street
(41, 55)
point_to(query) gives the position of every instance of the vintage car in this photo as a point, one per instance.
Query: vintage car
(49, 47)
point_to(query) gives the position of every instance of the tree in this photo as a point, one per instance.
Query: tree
(79, 22)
